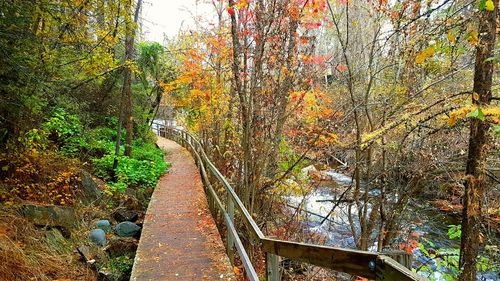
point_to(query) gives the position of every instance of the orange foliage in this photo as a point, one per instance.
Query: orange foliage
(46, 178)
(410, 246)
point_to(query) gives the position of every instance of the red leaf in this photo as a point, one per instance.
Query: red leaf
(341, 67)
(230, 11)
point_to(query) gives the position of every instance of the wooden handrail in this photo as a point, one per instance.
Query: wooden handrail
(360, 263)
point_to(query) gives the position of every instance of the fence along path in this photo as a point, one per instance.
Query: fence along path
(366, 264)
(180, 240)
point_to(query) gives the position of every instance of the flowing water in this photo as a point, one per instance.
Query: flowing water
(424, 221)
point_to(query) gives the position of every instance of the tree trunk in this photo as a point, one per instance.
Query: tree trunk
(474, 181)
(127, 76)
(237, 88)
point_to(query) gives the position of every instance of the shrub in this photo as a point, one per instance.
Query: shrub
(65, 130)
(141, 170)
(98, 145)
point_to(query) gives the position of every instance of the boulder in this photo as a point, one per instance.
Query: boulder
(127, 229)
(56, 241)
(98, 236)
(89, 191)
(104, 225)
(122, 215)
(121, 246)
(47, 215)
(86, 255)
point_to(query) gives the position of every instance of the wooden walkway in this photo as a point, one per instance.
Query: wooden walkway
(180, 240)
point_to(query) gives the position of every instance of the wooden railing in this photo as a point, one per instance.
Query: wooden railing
(366, 264)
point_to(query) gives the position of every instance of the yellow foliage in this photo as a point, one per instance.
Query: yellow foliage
(290, 187)
(493, 112)
(451, 37)
(458, 114)
(425, 54)
(473, 38)
(242, 4)
(369, 136)
(489, 5)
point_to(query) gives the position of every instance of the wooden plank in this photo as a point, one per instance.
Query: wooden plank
(255, 231)
(349, 261)
(388, 269)
(401, 257)
(272, 267)
(248, 220)
(230, 238)
(247, 263)
(173, 246)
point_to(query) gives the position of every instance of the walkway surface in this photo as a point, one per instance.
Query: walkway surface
(179, 240)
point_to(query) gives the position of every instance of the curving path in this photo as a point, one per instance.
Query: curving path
(179, 240)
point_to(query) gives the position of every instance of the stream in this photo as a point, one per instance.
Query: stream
(430, 227)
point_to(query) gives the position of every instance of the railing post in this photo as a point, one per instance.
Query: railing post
(400, 256)
(272, 267)
(230, 238)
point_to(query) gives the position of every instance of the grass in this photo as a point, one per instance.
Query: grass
(25, 254)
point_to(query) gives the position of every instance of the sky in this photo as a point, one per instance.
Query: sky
(167, 17)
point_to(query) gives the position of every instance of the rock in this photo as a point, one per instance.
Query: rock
(127, 229)
(56, 241)
(115, 274)
(105, 275)
(53, 216)
(89, 191)
(122, 246)
(104, 225)
(122, 215)
(84, 251)
(98, 236)
(309, 169)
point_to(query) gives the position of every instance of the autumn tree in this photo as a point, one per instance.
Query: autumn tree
(53, 54)
(126, 102)
(478, 141)
(384, 59)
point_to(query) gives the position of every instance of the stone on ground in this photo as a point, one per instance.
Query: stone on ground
(47, 215)
(104, 225)
(89, 191)
(122, 215)
(98, 236)
(127, 229)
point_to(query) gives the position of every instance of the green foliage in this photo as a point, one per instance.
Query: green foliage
(122, 263)
(98, 145)
(454, 231)
(289, 157)
(149, 59)
(99, 142)
(496, 130)
(144, 134)
(130, 171)
(477, 113)
(118, 186)
(141, 170)
(65, 130)
(446, 260)
(34, 140)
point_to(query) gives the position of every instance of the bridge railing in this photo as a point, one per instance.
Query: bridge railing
(371, 265)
